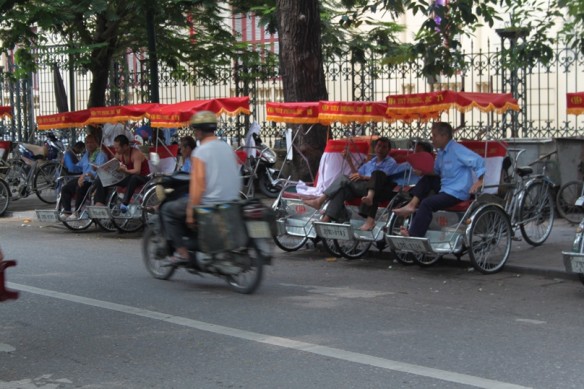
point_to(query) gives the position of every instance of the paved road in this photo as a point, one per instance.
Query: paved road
(89, 316)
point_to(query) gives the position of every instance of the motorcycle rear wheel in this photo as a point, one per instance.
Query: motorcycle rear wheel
(153, 247)
(252, 264)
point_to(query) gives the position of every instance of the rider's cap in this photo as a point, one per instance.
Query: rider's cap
(204, 120)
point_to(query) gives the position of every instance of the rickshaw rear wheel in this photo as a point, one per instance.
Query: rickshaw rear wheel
(425, 260)
(352, 249)
(331, 248)
(122, 222)
(290, 242)
(489, 240)
(395, 222)
(107, 224)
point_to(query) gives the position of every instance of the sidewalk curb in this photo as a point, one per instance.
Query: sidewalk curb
(541, 271)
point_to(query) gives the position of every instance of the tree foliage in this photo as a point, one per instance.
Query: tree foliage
(574, 23)
(191, 34)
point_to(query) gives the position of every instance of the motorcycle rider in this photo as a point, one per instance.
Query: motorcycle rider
(214, 179)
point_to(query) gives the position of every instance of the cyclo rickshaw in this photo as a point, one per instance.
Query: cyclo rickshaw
(163, 158)
(78, 119)
(485, 226)
(349, 241)
(294, 218)
(574, 259)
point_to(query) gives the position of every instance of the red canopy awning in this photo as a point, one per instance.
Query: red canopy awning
(120, 113)
(63, 120)
(5, 111)
(179, 114)
(575, 103)
(293, 112)
(428, 106)
(352, 111)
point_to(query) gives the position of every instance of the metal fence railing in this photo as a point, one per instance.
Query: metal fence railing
(542, 100)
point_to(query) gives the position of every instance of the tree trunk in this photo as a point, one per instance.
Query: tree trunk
(301, 68)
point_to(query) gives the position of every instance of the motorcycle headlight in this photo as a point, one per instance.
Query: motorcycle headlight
(270, 156)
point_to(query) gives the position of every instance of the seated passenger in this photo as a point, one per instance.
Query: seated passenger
(92, 156)
(452, 181)
(132, 162)
(187, 145)
(371, 176)
(70, 160)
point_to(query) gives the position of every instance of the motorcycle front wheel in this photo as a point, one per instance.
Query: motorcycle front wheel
(154, 254)
(250, 277)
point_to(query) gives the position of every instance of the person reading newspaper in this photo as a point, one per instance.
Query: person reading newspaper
(133, 164)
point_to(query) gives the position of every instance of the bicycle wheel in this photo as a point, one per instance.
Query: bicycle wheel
(4, 196)
(566, 201)
(352, 249)
(536, 213)
(490, 240)
(289, 242)
(45, 182)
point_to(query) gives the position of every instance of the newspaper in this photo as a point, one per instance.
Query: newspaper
(109, 174)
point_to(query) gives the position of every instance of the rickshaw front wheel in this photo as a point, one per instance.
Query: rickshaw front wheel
(489, 240)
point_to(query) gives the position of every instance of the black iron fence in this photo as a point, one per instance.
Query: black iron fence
(541, 91)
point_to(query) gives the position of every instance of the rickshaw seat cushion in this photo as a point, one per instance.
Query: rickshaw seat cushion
(167, 155)
(460, 207)
(400, 155)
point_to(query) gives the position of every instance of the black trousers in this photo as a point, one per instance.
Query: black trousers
(429, 204)
(343, 189)
(71, 189)
(131, 182)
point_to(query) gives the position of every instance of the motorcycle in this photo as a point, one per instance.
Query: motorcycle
(232, 240)
(259, 169)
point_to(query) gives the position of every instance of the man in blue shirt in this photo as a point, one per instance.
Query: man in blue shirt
(70, 159)
(372, 175)
(187, 145)
(78, 187)
(452, 181)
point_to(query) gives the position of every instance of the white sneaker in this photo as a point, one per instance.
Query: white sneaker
(72, 217)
